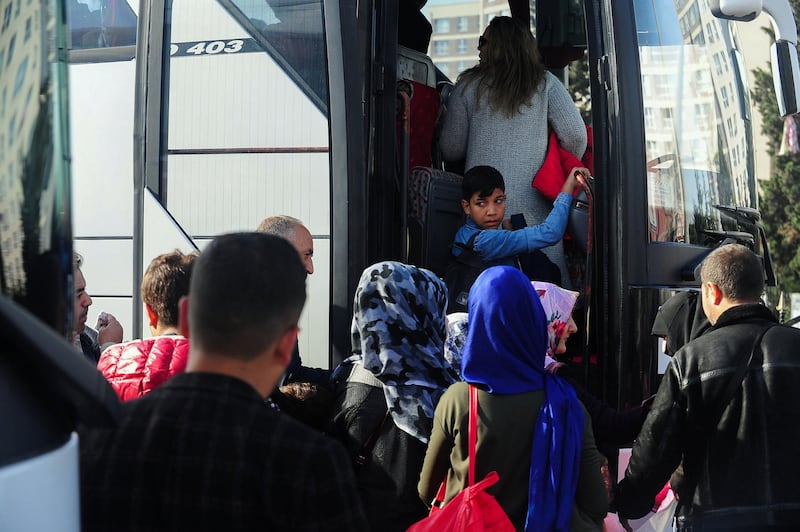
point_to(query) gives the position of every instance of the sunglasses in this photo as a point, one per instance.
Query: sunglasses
(481, 41)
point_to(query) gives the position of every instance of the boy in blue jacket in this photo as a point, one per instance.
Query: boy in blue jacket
(490, 239)
(483, 199)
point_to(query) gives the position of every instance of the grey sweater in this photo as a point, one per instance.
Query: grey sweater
(516, 146)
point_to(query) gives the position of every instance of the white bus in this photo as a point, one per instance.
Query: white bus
(233, 110)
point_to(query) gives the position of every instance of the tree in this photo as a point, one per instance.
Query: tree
(780, 209)
(578, 75)
(763, 95)
(779, 200)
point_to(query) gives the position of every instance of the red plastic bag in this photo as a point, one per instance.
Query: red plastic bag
(472, 510)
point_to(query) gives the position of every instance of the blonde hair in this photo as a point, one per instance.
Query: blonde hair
(510, 69)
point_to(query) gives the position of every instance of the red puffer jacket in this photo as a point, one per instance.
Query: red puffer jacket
(136, 368)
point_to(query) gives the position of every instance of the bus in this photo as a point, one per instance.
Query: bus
(46, 386)
(183, 119)
(214, 114)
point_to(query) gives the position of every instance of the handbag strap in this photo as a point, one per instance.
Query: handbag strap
(472, 436)
(727, 396)
(366, 448)
(473, 431)
(735, 383)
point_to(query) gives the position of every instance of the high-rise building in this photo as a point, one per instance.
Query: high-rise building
(456, 28)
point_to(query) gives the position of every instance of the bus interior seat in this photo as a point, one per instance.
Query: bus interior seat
(418, 70)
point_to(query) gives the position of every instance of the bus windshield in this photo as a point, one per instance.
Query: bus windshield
(696, 120)
(291, 32)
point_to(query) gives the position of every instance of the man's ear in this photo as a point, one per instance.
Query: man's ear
(152, 317)
(465, 206)
(713, 293)
(285, 346)
(183, 316)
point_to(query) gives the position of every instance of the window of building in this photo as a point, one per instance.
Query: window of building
(649, 118)
(700, 38)
(718, 64)
(442, 25)
(463, 24)
(667, 117)
(11, 45)
(462, 46)
(441, 47)
(7, 16)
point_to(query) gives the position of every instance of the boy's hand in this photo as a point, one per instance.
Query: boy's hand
(572, 180)
(507, 225)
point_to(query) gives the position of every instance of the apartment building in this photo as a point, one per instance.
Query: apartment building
(456, 28)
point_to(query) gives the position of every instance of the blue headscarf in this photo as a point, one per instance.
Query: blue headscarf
(504, 354)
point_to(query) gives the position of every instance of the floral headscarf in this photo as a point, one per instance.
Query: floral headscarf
(398, 334)
(457, 327)
(558, 304)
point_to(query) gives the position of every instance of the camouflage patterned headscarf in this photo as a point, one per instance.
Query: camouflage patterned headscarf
(398, 334)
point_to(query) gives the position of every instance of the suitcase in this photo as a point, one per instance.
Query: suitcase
(434, 217)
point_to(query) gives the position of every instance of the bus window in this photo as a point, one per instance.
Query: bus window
(696, 141)
(100, 24)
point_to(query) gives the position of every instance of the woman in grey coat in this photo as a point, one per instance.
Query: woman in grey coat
(499, 114)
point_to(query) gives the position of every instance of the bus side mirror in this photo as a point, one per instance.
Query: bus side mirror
(785, 65)
(741, 10)
(786, 76)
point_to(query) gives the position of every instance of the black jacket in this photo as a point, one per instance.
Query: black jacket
(297, 372)
(742, 472)
(387, 479)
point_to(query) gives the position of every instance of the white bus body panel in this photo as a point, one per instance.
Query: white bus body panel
(241, 101)
(217, 101)
(42, 493)
(101, 121)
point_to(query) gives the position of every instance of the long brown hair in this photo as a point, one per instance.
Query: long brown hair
(511, 68)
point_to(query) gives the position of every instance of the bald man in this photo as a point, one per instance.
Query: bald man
(300, 238)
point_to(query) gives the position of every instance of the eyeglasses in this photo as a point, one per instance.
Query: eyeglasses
(481, 41)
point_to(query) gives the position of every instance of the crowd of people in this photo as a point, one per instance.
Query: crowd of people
(223, 427)
(196, 445)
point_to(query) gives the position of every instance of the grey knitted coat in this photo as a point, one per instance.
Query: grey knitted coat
(516, 146)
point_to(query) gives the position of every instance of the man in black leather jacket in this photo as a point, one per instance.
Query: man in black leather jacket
(738, 438)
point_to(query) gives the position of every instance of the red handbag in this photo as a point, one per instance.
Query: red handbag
(473, 509)
(557, 163)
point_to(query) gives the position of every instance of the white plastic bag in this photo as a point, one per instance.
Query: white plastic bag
(659, 521)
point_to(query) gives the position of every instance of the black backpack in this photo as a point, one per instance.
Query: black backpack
(465, 268)
(461, 274)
